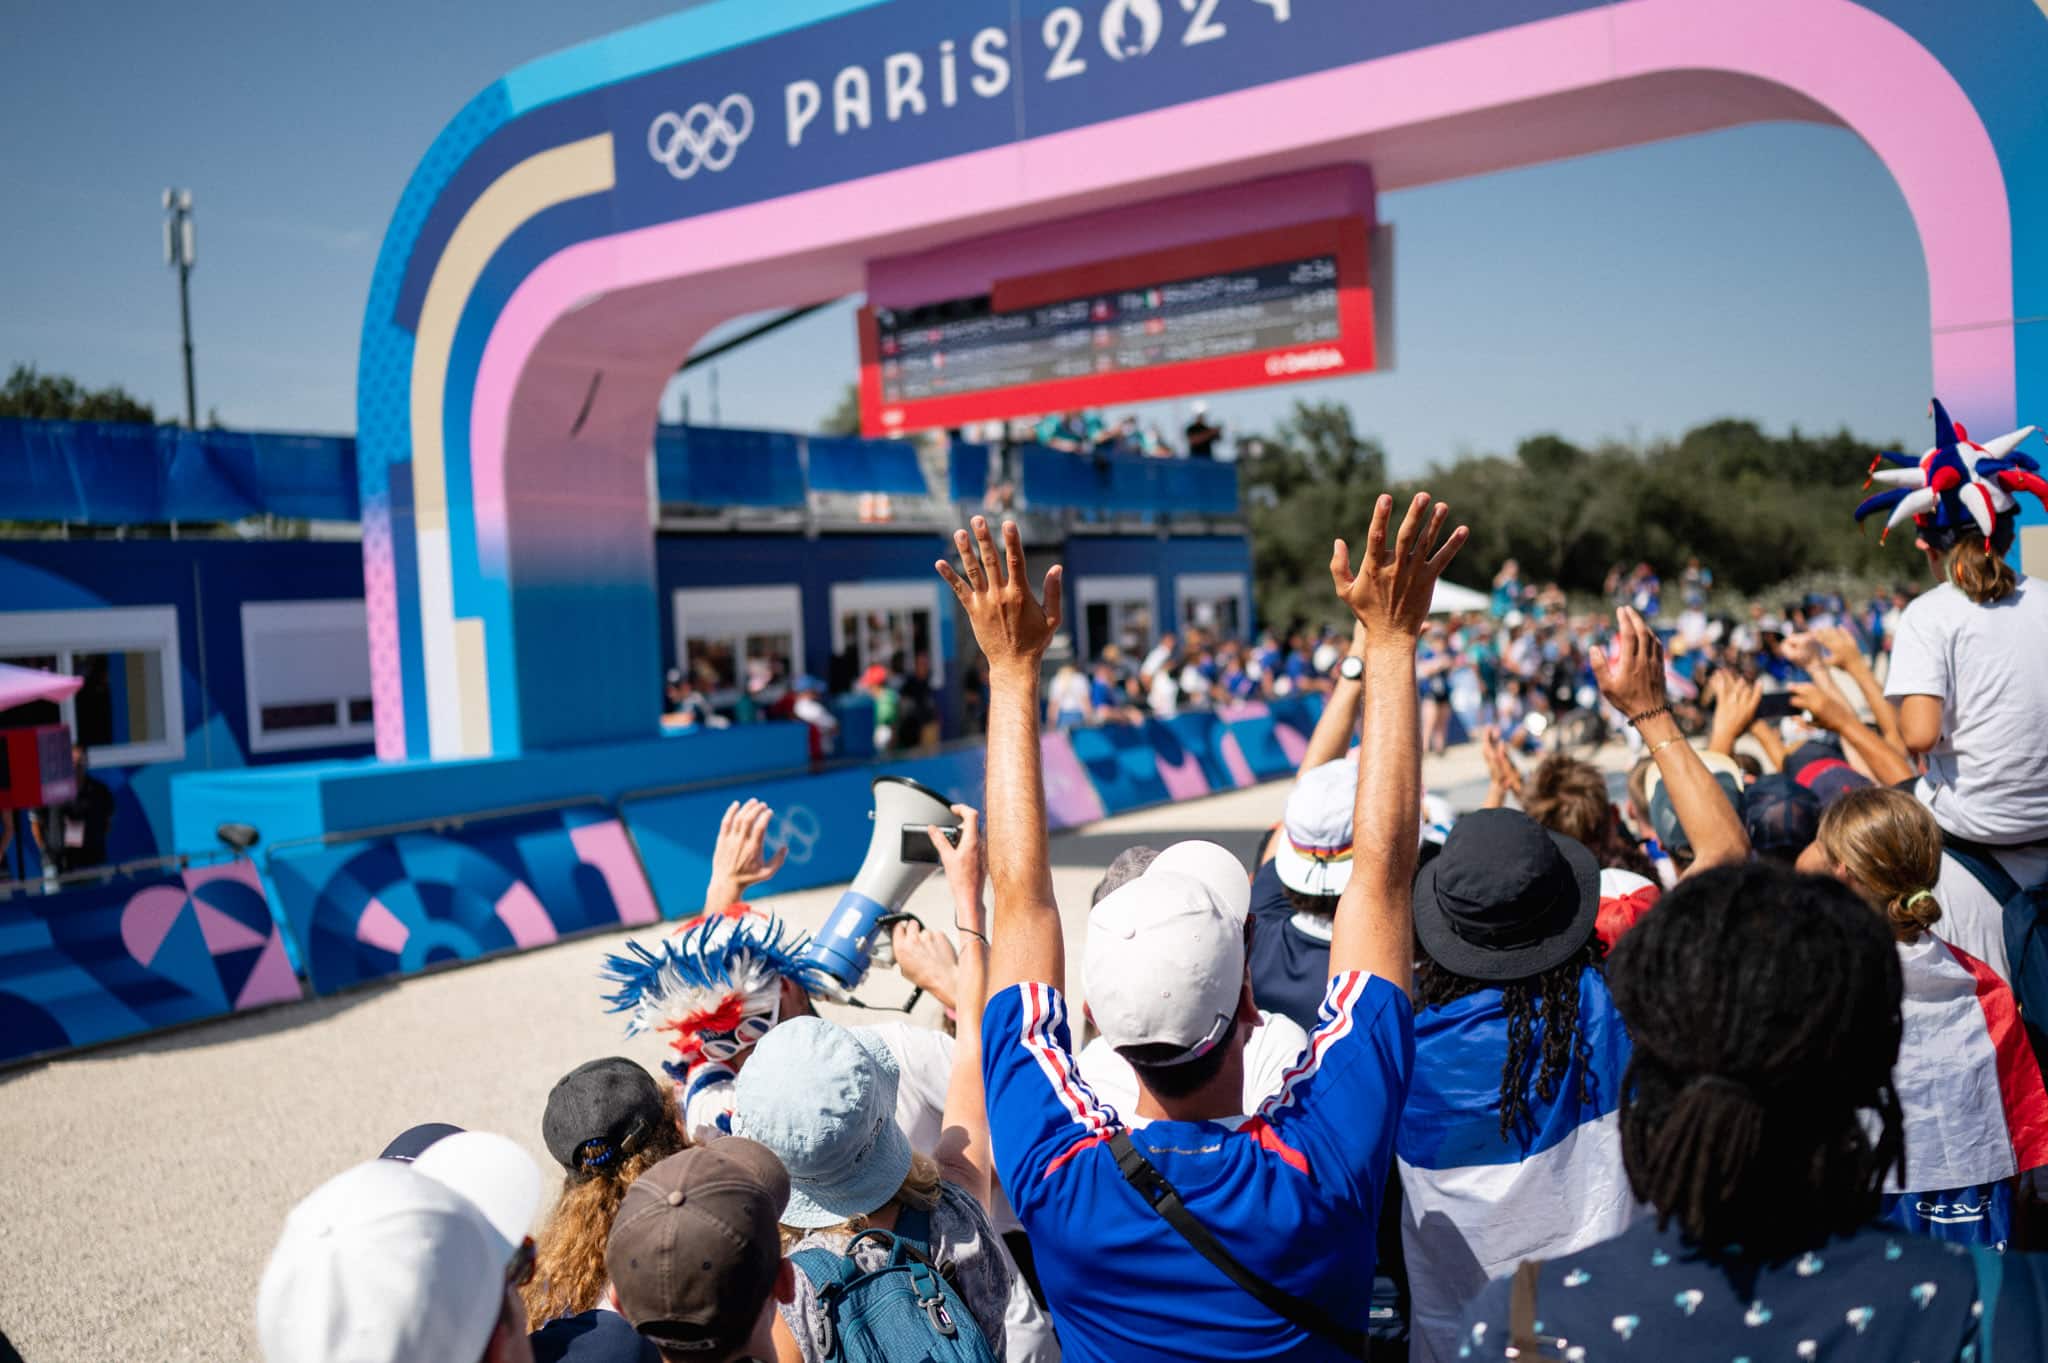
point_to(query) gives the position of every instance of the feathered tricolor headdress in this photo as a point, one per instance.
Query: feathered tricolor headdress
(1955, 486)
(715, 971)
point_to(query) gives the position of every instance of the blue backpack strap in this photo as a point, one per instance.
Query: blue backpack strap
(1981, 862)
(914, 1226)
(1990, 1266)
(824, 1268)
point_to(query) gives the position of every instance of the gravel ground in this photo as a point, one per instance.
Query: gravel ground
(142, 1186)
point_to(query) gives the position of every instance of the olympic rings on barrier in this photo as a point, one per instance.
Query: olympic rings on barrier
(702, 137)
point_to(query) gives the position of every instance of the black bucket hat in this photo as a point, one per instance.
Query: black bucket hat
(1507, 898)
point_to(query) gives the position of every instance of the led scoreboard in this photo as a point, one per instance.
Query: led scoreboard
(1268, 307)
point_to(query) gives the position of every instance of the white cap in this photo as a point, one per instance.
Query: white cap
(1216, 867)
(493, 1172)
(1313, 855)
(382, 1264)
(1165, 962)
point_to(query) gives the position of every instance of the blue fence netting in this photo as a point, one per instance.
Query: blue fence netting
(117, 473)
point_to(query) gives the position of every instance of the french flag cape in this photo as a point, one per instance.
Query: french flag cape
(1975, 1110)
(1475, 1205)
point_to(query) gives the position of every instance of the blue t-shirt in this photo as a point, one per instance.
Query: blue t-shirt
(598, 1336)
(1293, 1191)
(1877, 1295)
(1290, 969)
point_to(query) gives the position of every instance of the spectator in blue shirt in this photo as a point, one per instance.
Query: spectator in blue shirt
(1293, 1191)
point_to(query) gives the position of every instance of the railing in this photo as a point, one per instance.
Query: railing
(1101, 487)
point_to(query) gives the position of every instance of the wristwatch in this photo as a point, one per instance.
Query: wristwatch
(1352, 668)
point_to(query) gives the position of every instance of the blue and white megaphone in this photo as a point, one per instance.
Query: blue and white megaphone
(900, 857)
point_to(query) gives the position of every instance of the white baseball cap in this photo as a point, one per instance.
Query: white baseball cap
(1313, 854)
(1216, 867)
(498, 1177)
(382, 1264)
(1165, 962)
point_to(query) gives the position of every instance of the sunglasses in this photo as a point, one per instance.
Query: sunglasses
(726, 1045)
(519, 1272)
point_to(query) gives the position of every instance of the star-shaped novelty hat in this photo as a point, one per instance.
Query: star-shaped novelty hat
(1956, 487)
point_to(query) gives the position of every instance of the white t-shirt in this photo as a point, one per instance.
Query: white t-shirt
(1069, 691)
(1275, 1044)
(1987, 777)
(1165, 695)
(1971, 918)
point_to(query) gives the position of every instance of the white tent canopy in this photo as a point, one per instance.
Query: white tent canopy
(1449, 596)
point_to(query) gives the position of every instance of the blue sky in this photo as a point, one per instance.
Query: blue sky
(1770, 272)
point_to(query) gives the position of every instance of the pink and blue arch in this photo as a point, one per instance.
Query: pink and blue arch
(545, 270)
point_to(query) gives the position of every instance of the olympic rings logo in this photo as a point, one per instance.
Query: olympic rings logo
(701, 137)
(795, 830)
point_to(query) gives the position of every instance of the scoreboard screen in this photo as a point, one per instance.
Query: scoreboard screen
(1268, 307)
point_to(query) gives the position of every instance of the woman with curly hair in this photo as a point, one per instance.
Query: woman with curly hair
(606, 1122)
(1508, 1144)
(1976, 1116)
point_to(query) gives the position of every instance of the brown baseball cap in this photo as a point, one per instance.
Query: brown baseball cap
(696, 1246)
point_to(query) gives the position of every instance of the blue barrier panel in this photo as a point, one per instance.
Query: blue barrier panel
(713, 466)
(398, 905)
(1122, 764)
(1123, 484)
(98, 962)
(967, 472)
(1202, 734)
(823, 821)
(122, 473)
(851, 464)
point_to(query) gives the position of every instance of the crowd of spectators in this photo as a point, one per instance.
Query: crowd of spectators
(1736, 1066)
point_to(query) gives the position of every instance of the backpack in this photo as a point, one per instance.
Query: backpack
(2025, 918)
(903, 1312)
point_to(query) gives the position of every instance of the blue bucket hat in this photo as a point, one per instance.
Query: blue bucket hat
(823, 1098)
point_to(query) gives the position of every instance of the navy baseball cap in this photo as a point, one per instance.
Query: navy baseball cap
(1781, 817)
(1821, 769)
(409, 1144)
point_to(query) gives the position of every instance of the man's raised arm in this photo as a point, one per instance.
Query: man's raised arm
(1013, 629)
(1389, 596)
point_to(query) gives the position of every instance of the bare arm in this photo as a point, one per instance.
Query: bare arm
(1631, 676)
(1332, 736)
(1013, 629)
(1842, 651)
(964, 1153)
(1919, 722)
(1831, 712)
(1375, 924)
(1766, 736)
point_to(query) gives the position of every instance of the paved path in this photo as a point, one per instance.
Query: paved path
(142, 1186)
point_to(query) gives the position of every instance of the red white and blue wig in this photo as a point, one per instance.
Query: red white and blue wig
(1958, 488)
(712, 974)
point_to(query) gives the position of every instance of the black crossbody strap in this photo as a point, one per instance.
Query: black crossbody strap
(1165, 1199)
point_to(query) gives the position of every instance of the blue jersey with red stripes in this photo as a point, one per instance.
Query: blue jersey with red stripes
(1293, 1190)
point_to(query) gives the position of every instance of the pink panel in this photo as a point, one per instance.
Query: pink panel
(1183, 781)
(1291, 743)
(604, 846)
(964, 269)
(222, 933)
(1242, 710)
(147, 919)
(523, 916)
(1234, 760)
(272, 980)
(1070, 797)
(380, 928)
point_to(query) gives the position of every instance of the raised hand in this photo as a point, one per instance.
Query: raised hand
(1631, 669)
(965, 872)
(736, 860)
(1504, 778)
(1012, 626)
(1735, 705)
(1840, 648)
(1390, 593)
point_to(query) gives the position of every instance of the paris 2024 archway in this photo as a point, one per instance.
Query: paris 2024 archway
(587, 217)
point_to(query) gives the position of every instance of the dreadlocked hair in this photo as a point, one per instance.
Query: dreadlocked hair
(1568, 796)
(1552, 996)
(1764, 1010)
(569, 1275)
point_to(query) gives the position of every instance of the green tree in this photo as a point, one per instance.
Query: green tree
(844, 418)
(58, 397)
(1312, 480)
